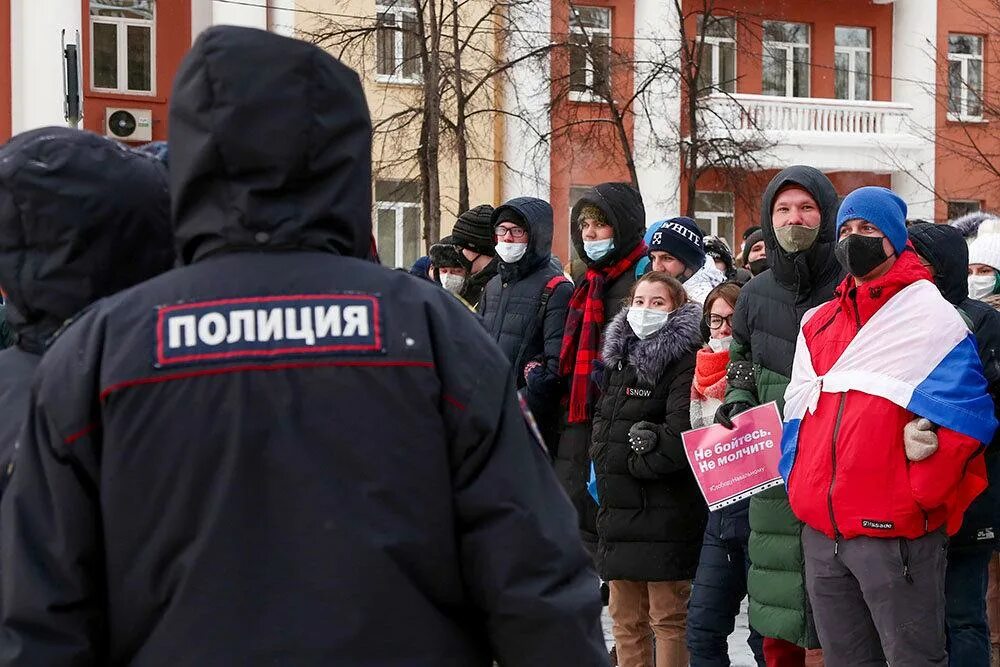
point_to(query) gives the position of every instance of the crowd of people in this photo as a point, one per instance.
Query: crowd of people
(231, 437)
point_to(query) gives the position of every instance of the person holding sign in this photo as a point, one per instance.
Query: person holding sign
(651, 516)
(878, 488)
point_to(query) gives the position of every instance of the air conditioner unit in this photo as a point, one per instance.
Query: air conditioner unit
(129, 124)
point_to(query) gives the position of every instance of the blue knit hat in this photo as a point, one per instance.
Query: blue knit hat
(879, 206)
(682, 238)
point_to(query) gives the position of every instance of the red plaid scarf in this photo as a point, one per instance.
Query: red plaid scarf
(584, 325)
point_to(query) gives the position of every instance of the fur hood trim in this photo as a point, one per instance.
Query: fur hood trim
(679, 336)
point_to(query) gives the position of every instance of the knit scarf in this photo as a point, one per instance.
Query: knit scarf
(582, 337)
(710, 374)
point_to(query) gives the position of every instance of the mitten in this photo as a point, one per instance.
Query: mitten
(724, 415)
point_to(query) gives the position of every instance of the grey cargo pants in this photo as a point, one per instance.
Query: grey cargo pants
(878, 600)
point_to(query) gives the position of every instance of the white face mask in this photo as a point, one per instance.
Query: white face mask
(452, 282)
(511, 252)
(598, 249)
(980, 286)
(645, 321)
(720, 344)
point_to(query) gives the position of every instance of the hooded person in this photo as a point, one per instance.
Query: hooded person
(422, 268)
(473, 236)
(607, 225)
(678, 249)
(755, 253)
(81, 217)
(798, 216)
(278, 433)
(524, 307)
(945, 254)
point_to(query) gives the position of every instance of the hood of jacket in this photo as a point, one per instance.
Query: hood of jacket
(81, 217)
(801, 271)
(968, 225)
(622, 206)
(270, 148)
(537, 217)
(679, 336)
(945, 248)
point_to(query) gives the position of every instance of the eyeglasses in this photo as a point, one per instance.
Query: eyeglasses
(515, 232)
(716, 321)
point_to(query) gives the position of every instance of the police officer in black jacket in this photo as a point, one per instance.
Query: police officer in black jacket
(280, 453)
(81, 217)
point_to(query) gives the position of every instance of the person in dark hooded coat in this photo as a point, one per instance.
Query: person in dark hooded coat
(524, 307)
(607, 225)
(943, 250)
(803, 274)
(280, 452)
(81, 217)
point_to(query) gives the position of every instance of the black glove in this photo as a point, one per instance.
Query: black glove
(642, 437)
(741, 375)
(724, 415)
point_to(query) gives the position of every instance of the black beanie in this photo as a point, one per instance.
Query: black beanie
(748, 245)
(474, 230)
(682, 238)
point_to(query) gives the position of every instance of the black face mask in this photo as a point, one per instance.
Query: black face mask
(860, 255)
(758, 266)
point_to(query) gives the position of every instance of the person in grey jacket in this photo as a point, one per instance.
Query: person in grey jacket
(524, 306)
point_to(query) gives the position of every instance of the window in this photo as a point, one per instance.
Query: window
(398, 41)
(965, 77)
(122, 45)
(956, 209)
(590, 53)
(853, 63)
(717, 71)
(714, 214)
(786, 59)
(397, 222)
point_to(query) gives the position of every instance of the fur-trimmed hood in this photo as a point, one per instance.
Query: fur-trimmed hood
(969, 223)
(679, 336)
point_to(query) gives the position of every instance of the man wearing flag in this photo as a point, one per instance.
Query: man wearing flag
(878, 487)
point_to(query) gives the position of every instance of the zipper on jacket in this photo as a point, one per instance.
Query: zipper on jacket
(833, 475)
(904, 557)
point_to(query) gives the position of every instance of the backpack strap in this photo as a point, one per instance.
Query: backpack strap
(543, 303)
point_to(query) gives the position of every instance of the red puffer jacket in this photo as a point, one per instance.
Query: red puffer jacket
(851, 476)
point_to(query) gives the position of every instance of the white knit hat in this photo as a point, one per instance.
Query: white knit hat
(985, 248)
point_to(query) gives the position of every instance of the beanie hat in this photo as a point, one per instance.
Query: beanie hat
(879, 206)
(474, 230)
(985, 248)
(752, 240)
(682, 238)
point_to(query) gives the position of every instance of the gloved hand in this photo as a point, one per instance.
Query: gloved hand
(919, 439)
(642, 437)
(724, 415)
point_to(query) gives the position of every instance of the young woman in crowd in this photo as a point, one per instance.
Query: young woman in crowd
(651, 516)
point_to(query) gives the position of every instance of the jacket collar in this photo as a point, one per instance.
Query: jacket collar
(680, 335)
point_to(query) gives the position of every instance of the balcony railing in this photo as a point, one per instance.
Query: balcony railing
(764, 113)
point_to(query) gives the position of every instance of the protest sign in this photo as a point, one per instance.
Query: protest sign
(731, 465)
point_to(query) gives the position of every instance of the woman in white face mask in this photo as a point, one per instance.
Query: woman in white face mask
(983, 281)
(651, 517)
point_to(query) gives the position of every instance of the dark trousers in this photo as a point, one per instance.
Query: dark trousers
(877, 600)
(720, 584)
(966, 582)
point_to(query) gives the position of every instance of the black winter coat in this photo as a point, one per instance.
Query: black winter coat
(190, 494)
(510, 307)
(70, 233)
(652, 515)
(622, 205)
(946, 250)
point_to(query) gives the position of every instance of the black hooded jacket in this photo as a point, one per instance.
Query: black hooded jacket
(622, 206)
(945, 248)
(254, 458)
(81, 217)
(510, 306)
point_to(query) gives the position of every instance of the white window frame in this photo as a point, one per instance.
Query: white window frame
(715, 44)
(398, 208)
(789, 49)
(852, 55)
(398, 13)
(713, 217)
(589, 32)
(964, 59)
(121, 25)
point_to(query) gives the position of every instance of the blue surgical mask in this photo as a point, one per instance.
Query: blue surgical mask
(596, 250)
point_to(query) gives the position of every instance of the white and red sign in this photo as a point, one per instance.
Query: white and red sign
(731, 465)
